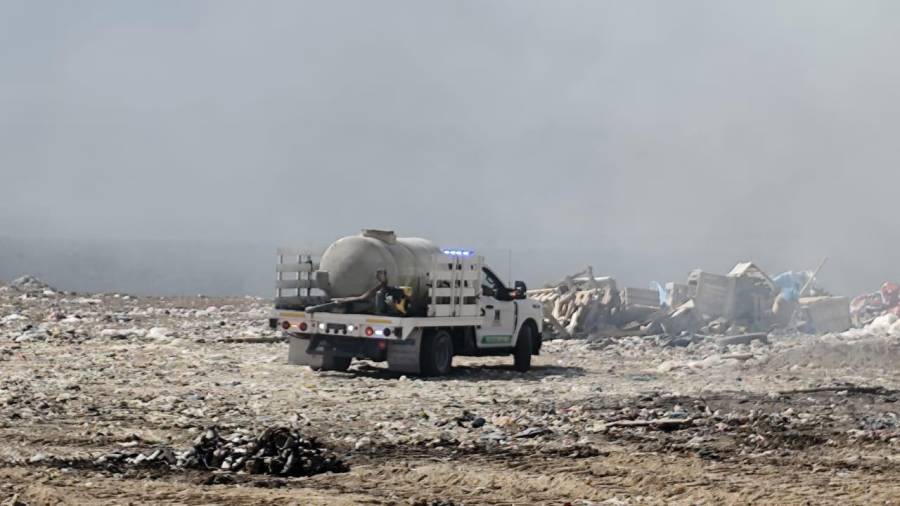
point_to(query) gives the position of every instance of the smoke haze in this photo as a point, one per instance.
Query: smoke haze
(169, 146)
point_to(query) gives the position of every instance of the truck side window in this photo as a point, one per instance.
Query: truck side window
(491, 285)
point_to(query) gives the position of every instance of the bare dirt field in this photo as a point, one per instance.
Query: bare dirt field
(800, 420)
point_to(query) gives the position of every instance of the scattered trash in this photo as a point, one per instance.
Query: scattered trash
(532, 432)
(744, 339)
(659, 423)
(674, 384)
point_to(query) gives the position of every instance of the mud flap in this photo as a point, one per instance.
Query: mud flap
(297, 354)
(403, 356)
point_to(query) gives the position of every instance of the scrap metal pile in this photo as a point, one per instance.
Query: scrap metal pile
(746, 300)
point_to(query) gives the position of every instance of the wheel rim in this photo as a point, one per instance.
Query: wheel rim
(442, 353)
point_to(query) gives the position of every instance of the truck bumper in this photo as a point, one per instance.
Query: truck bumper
(401, 355)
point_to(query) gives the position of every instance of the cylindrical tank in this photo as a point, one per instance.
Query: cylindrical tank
(351, 263)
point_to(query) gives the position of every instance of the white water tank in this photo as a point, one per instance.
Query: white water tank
(351, 263)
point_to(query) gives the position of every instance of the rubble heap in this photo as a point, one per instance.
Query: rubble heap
(276, 451)
(580, 302)
(746, 300)
(30, 284)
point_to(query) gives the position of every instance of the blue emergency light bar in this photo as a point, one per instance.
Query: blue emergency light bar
(459, 252)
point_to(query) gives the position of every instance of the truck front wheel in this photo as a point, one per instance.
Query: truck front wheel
(523, 349)
(437, 354)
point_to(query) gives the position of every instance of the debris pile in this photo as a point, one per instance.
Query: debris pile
(276, 451)
(865, 308)
(31, 285)
(886, 325)
(746, 300)
(580, 303)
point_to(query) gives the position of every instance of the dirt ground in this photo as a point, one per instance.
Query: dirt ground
(800, 420)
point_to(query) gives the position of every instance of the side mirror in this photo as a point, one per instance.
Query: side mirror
(520, 289)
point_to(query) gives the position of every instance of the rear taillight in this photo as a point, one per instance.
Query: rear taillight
(302, 326)
(387, 332)
(285, 325)
(370, 331)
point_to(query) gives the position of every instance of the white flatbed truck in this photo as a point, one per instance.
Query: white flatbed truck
(469, 312)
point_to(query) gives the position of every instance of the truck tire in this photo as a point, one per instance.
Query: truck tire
(523, 349)
(436, 357)
(333, 363)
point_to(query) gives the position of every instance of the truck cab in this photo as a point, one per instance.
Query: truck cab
(500, 308)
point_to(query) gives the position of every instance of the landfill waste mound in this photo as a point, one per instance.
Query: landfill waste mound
(104, 399)
(277, 451)
(30, 284)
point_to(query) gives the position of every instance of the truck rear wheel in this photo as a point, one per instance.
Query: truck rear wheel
(333, 363)
(522, 351)
(437, 354)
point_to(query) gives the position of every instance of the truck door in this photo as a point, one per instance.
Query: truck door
(498, 312)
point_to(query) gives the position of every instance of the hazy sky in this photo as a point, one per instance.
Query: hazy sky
(638, 136)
